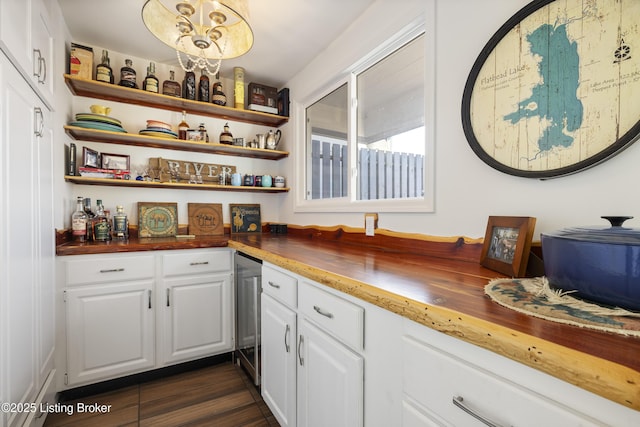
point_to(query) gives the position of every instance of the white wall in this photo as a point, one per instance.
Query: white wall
(467, 190)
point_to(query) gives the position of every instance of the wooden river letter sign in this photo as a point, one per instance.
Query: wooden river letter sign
(210, 173)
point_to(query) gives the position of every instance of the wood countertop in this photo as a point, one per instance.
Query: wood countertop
(444, 291)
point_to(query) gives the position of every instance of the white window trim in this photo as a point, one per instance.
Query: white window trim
(426, 25)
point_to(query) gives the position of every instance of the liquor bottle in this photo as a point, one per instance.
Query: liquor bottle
(217, 95)
(101, 227)
(204, 136)
(238, 78)
(171, 87)
(90, 218)
(120, 224)
(151, 83)
(79, 222)
(203, 87)
(225, 135)
(104, 73)
(128, 75)
(183, 127)
(189, 84)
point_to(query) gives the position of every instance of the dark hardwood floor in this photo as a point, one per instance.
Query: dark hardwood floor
(221, 395)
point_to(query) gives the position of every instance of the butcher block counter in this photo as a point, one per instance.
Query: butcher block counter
(437, 282)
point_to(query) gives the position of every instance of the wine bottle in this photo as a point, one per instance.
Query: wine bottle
(79, 222)
(151, 83)
(128, 75)
(171, 87)
(104, 73)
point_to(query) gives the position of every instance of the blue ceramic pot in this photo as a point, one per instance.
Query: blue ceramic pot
(601, 263)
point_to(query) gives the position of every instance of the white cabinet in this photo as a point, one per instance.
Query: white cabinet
(110, 330)
(196, 305)
(330, 380)
(131, 312)
(27, 246)
(26, 37)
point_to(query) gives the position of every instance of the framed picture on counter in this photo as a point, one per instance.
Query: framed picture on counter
(507, 243)
(245, 219)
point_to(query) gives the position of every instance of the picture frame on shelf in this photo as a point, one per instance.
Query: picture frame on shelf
(90, 158)
(507, 244)
(245, 218)
(115, 161)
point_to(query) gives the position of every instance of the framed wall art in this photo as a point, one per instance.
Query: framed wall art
(554, 91)
(157, 219)
(507, 243)
(245, 218)
(205, 219)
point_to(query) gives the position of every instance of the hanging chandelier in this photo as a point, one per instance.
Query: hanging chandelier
(203, 32)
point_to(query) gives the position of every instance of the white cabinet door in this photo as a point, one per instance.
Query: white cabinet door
(110, 330)
(330, 380)
(279, 360)
(15, 31)
(196, 317)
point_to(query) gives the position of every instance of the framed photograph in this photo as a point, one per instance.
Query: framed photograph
(115, 161)
(157, 219)
(554, 91)
(90, 158)
(205, 219)
(507, 243)
(245, 219)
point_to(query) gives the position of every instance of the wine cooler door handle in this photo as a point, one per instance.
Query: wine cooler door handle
(300, 358)
(287, 332)
(459, 402)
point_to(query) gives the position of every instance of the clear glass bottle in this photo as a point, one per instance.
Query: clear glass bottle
(128, 75)
(79, 222)
(203, 87)
(101, 227)
(90, 218)
(104, 73)
(120, 224)
(151, 83)
(171, 87)
(189, 84)
(225, 136)
(183, 127)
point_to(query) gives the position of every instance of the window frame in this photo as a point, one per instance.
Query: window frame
(350, 203)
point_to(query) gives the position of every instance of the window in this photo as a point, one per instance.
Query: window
(366, 144)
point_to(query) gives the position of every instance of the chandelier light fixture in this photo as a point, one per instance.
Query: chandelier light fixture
(203, 32)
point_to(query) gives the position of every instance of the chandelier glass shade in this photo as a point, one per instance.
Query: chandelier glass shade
(204, 32)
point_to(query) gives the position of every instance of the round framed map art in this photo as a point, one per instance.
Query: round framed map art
(557, 88)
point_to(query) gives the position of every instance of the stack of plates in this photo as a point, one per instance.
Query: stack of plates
(97, 121)
(159, 130)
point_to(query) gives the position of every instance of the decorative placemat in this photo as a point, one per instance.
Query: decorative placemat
(536, 298)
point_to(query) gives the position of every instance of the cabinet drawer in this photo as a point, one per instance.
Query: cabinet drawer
(279, 285)
(101, 269)
(341, 318)
(196, 262)
(433, 379)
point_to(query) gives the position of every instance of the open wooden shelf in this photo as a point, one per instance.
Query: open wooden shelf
(112, 92)
(83, 134)
(83, 180)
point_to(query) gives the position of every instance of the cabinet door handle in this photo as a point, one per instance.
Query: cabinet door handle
(458, 401)
(37, 59)
(149, 298)
(112, 270)
(287, 347)
(300, 358)
(199, 263)
(274, 285)
(322, 312)
(39, 122)
(168, 298)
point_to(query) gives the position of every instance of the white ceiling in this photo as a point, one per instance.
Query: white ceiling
(288, 33)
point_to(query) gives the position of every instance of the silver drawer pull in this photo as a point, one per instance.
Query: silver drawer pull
(457, 400)
(274, 285)
(322, 312)
(112, 270)
(200, 263)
